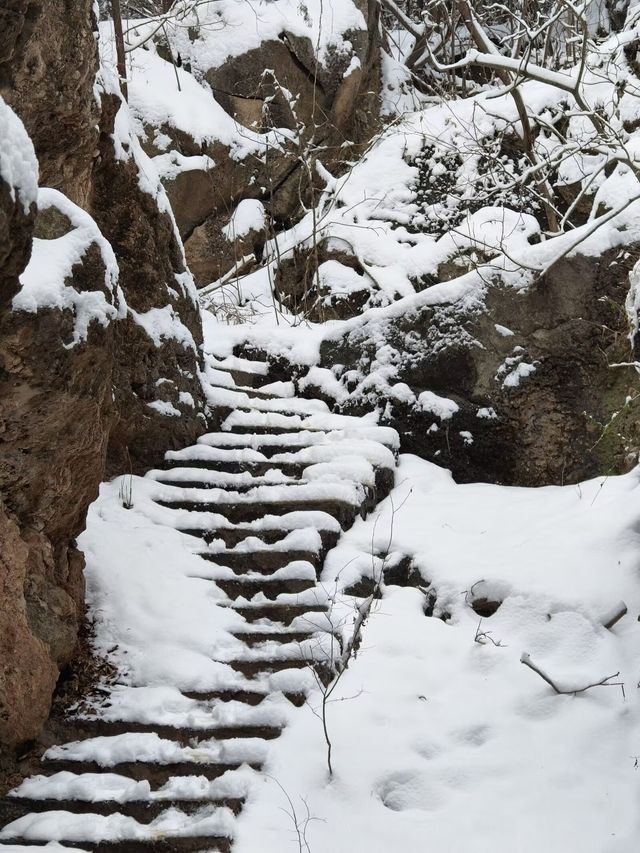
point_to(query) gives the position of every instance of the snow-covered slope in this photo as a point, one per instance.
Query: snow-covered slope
(442, 739)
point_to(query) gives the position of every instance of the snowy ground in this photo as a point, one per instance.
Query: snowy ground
(447, 744)
(440, 741)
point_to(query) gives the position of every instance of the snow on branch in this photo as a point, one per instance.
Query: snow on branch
(415, 29)
(521, 67)
(564, 690)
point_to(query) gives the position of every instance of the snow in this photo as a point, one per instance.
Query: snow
(444, 408)
(165, 408)
(18, 163)
(97, 828)
(164, 644)
(442, 738)
(163, 324)
(230, 28)
(249, 215)
(105, 787)
(44, 281)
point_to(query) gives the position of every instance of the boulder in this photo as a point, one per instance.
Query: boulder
(512, 386)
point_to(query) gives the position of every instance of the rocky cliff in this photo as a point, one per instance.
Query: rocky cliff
(99, 334)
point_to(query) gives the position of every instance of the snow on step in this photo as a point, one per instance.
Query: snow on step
(242, 365)
(233, 398)
(305, 539)
(219, 479)
(222, 379)
(304, 437)
(264, 420)
(322, 448)
(294, 570)
(67, 826)
(114, 787)
(164, 705)
(149, 748)
(347, 492)
(193, 520)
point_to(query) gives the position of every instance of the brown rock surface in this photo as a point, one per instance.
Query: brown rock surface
(551, 427)
(331, 109)
(55, 414)
(28, 674)
(71, 415)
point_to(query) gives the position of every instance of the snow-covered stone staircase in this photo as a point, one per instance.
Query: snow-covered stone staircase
(261, 500)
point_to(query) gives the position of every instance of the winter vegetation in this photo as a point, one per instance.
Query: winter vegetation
(320, 426)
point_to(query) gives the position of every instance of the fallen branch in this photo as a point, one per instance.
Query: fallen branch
(614, 615)
(604, 682)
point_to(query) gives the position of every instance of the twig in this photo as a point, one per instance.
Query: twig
(604, 682)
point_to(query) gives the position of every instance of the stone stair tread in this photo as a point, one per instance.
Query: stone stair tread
(252, 667)
(154, 772)
(183, 734)
(234, 535)
(140, 748)
(234, 362)
(248, 511)
(271, 589)
(263, 561)
(296, 439)
(190, 477)
(249, 696)
(252, 638)
(237, 399)
(309, 451)
(106, 786)
(93, 828)
(339, 490)
(187, 844)
(221, 378)
(276, 613)
(142, 810)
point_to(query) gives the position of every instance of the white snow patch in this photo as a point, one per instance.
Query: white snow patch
(18, 162)
(442, 407)
(249, 215)
(43, 282)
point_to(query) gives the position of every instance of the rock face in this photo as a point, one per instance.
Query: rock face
(514, 387)
(325, 109)
(77, 404)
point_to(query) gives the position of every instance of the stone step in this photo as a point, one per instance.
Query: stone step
(245, 379)
(255, 638)
(239, 513)
(252, 668)
(83, 728)
(144, 811)
(271, 589)
(277, 613)
(183, 844)
(267, 444)
(258, 429)
(240, 488)
(265, 561)
(248, 696)
(147, 771)
(256, 469)
(232, 536)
